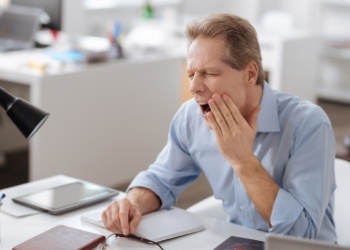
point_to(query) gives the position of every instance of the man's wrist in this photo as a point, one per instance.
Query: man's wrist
(143, 199)
(246, 165)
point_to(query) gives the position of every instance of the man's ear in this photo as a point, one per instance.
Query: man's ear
(252, 70)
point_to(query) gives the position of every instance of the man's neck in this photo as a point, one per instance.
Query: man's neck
(254, 98)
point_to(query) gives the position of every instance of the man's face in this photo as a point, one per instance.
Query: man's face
(209, 75)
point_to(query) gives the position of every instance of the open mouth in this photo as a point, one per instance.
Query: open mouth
(205, 108)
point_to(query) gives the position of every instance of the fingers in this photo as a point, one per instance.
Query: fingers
(121, 216)
(217, 119)
(226, 114)
(111, 222)
(234, 111)
(129, 217)
(135, 220)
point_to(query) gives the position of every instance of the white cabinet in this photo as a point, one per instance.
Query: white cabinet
(334, 77)
(108, 121)
(291, 62)
(332, 20)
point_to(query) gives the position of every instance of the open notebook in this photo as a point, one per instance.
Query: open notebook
(157, 226)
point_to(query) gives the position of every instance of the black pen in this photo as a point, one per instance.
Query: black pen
(3, 195)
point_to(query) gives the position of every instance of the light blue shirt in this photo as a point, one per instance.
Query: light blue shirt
(294, 143)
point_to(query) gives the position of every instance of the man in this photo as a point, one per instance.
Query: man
(268, 155)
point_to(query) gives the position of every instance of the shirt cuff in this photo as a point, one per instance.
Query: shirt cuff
(285, 213)
(166, 197)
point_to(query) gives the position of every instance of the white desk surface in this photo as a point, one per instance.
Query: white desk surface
(25, 66)
(15, 230)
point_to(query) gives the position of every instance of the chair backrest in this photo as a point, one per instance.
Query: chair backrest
(209, 207)
(342, 201)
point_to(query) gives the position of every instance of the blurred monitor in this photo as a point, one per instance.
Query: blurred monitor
(18, 27)
(53, 8)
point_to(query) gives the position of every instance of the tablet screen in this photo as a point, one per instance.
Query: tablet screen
(66, 197)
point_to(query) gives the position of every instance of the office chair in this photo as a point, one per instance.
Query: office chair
(213, 208)
(342, 201)
(210, 207)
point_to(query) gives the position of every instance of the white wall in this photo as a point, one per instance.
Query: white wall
(73, 17)
(300, 10)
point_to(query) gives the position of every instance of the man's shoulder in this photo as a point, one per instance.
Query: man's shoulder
(188, 113)
(189, 107)
(300, 111)
(190, 103)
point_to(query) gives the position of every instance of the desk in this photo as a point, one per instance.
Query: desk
(16, 230)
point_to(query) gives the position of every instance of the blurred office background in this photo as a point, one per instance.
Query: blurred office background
(305, 46)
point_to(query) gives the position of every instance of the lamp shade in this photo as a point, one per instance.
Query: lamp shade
(24, 115)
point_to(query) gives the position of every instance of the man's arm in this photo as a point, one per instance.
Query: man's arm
(125, 215)
(261, 188)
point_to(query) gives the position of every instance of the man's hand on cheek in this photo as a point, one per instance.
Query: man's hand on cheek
(234, 135)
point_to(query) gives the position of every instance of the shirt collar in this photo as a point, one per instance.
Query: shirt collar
(268, 116)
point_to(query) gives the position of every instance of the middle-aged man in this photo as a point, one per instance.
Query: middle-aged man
(269, 156)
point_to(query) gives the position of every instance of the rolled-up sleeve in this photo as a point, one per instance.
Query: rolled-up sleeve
(308, 185)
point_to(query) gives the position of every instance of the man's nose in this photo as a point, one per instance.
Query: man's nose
(196, 85)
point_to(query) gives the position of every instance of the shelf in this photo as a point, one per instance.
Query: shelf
(335, 3)
(340, 53)
(340, 94)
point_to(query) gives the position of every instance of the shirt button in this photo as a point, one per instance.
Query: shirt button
(241, 207)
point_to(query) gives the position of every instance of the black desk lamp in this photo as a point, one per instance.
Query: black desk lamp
(25, 116)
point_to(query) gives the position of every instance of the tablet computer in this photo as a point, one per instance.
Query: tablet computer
(66, 197)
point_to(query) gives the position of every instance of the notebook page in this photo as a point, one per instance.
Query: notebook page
(159, 225)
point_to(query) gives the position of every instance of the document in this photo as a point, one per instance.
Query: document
(159, 225)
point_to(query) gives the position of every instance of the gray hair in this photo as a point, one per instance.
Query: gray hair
(240, 37)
